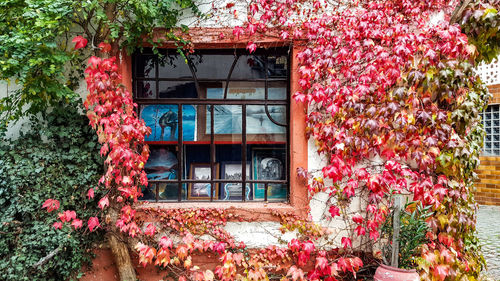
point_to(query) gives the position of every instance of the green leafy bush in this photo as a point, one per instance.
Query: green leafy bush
(412, 233)
(58, 159)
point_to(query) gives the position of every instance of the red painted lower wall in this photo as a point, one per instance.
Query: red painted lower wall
(104, 269)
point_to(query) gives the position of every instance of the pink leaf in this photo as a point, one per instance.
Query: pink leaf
(57, 225)
(93, 223)
(90, 193)
(251, 47)
(150, 230)
(104, 202)
(166, 242)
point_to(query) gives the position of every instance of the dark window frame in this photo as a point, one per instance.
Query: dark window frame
(179, 144)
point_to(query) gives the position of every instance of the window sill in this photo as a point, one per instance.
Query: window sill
(248, 211)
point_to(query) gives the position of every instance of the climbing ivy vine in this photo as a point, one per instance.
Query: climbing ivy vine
(393, 105)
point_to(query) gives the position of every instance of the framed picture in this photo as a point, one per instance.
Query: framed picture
(162, 163)
(201, 171)
(269, 164)
(227, 119)
(164, 122)
(233, 171)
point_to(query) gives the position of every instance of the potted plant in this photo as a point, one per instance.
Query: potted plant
(407, 231)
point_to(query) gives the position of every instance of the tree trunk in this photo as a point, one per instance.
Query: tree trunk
(119, 248)
(122, 257)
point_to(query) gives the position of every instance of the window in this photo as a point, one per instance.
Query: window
(219, 122)
(491, 122)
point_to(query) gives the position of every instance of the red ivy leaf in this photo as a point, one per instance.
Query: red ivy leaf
(80, 42)
(77, 223)
(251, 47)
(51, 205)
(105, 47)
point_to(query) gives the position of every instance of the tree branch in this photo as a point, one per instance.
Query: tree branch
(457, 13)
(45, 259)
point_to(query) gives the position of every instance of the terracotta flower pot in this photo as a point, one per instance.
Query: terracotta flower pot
(389, 273)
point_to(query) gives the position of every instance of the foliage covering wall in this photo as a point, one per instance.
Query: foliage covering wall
(56, 158)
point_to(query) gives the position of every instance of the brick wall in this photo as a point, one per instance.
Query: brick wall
(495, 91)
(488, 186)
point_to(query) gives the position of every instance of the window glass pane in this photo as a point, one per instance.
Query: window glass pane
(211, 66)
(145, 66)
(162, 163)
(269, 163)
(492, 126)
(170, 191)
(277, 90)
(163, 121)
(148, 193)
(277, 66)
(232, 170)
(196, 157)
(249, 67)
(248, 91)
(189, 122)
(261, 128)
(238, 90)
(227, 121)
(173, 65)
(177, 89)
(145, 89)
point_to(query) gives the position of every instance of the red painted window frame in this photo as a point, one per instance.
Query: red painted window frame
(255, 211)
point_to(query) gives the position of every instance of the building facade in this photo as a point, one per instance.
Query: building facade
(488, 186)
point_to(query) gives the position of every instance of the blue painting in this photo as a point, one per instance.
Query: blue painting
(163, 121)
(162, 164)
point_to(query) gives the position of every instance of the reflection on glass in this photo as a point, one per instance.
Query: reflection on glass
(248, 91)
(170, 191)
(146, 89)
(172, 65)
(177, 89)
(249, 67)
(214, 67)
(277, 66)
(145, 66)
(148, 193)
